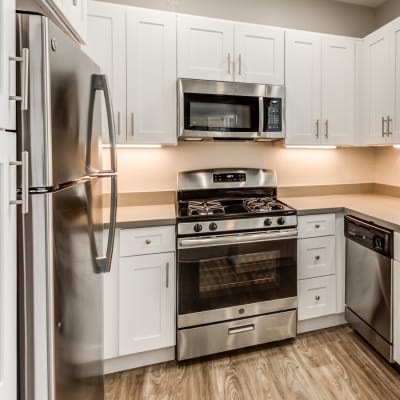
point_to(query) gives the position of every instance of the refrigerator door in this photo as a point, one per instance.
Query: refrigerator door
(54, 129)
(61, 303)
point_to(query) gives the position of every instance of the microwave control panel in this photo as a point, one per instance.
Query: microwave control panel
(273, 114)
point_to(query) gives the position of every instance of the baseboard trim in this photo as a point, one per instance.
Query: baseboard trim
(139, 360)
(315, 324)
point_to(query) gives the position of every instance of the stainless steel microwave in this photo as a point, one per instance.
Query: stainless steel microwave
(212, 110)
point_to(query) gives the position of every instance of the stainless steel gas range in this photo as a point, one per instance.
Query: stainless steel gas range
(237, 261)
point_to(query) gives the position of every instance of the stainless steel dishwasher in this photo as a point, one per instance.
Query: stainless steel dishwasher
(369, 272)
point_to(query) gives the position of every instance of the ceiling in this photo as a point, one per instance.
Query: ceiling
(367, 3)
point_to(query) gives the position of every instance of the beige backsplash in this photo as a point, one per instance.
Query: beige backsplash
(155, 170)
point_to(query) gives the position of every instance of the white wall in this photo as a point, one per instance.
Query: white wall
(326, 16)
(156, 169)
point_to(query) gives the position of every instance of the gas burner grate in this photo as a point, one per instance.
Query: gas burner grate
(264, 204)
(210, 207)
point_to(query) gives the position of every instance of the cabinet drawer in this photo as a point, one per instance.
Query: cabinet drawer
(316, 257)
(317, 297)
(316, 225)
(160, 239)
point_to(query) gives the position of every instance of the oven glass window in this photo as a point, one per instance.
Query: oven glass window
(221, 113)
(231, 275)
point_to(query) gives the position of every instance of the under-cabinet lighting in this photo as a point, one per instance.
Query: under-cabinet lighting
(289, 146)
(396, 146)
(193, 139)
(134, 146)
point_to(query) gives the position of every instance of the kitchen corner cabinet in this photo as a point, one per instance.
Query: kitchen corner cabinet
(381, 60)
(320, 89)
(222, 50)
(8, 268)
(140, 291)
(136, 48)
(7, 67)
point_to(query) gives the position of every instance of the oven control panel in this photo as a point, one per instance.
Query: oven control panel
(229, 177)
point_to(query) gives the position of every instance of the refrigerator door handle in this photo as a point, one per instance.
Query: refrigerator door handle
(104, 263)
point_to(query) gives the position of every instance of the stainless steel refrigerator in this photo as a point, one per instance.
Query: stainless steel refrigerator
(61, 257)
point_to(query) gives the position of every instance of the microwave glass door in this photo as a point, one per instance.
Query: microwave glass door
(221, 113)
(229, 275)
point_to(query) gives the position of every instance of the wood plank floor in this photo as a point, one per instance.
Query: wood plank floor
(330, 364)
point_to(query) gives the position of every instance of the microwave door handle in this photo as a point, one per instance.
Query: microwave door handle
(261, 127)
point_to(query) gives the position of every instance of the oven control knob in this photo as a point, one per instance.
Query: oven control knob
(213, 226)
(268, 222)
(281, 221)
(198, 228)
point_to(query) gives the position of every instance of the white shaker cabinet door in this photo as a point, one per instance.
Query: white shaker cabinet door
(151, 77)
(378, 89)
(205, 48)
(7, 67)
(75, 12)
(259, 54)
(338, 90)
(8, 269)
(394, 86)
(146, 303)
(303, 88)
(106, 44)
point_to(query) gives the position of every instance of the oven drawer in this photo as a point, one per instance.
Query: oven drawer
(160, 239)
(316, 225)
(216, 338)
(317, 297)
(316, 257)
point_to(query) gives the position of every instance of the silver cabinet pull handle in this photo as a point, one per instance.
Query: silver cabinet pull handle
(167, 275)
(317, 134)
(24, 163)
(75, 2)
(326, 129)
(383, 126)
(240, 64)
(132, 124)
(24, 60)
(241, 329)
(229, 63)
(389, 130)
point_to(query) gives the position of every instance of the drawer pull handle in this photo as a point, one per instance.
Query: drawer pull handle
(317, 257)
(241, 329)
(148, 241)
(317, 226)
(317, 298)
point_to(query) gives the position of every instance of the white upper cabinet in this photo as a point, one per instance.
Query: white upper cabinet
(320, 89)
(221, 50)
(303, 88)
(151, 77)
(75, 12)
(394, 87)
(259, 54)
(378, 82)
(205, 48)
(7, 67)
(106, 46)
(338, 90)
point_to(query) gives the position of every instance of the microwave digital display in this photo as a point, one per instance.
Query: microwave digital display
(272, 114)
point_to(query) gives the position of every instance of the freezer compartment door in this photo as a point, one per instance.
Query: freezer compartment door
(62, 308)
(55, 127)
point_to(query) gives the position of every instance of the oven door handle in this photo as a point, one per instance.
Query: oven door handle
(235, 239)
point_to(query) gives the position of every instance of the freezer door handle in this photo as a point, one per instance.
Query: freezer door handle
(24, 164)
(100, 82)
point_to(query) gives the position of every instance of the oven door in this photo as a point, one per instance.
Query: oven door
(220, 110)
(236, 276)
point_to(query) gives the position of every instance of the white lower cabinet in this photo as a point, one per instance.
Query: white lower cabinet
(316, 254)
(146, 303)
(396, 297)
(139, 299)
